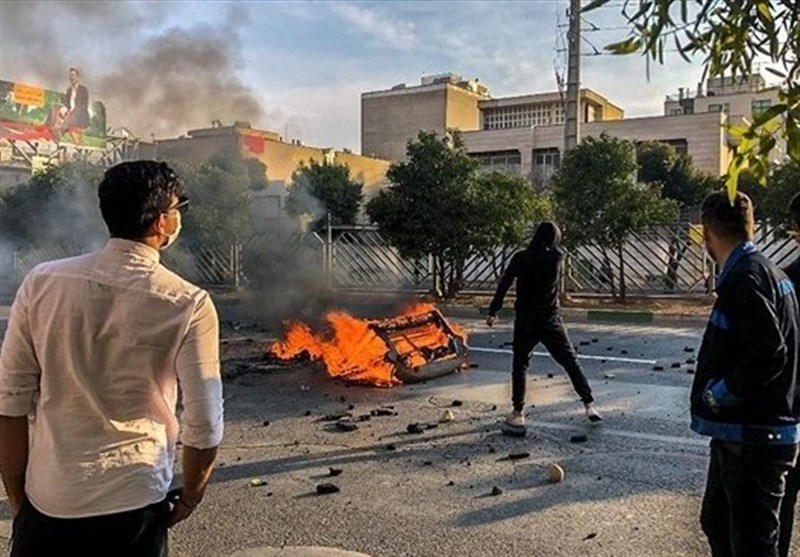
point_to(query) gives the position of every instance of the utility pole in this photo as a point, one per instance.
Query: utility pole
(572, 114)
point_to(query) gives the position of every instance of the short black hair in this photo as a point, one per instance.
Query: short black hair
(732, 221)
(794, 211)
(76, 70)
(133, 195)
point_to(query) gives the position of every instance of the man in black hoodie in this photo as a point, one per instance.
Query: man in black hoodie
(537, 270)
(744, 389)
(793, 479)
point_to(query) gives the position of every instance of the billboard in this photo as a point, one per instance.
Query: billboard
(35, 114)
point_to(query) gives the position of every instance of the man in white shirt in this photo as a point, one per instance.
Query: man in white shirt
(95, 348)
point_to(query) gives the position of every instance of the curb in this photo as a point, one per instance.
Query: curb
(296, 551)
(577, 314)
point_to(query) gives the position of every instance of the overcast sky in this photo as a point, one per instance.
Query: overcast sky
(300, 66)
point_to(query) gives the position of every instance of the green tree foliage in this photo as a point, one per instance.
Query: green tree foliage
(220, 190)
(439, 205)
(319, 188)
(731, 36)
(599, 200)
(659, 163)
(784, 183)
(57, 207)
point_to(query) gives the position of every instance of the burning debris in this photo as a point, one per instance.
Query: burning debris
(417, 345)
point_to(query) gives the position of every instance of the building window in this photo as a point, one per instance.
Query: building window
(545, 164)
(504, 161)
(523, 116)
(760, 106)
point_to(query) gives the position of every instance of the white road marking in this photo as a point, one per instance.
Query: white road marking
(580, 356)
(601, 430)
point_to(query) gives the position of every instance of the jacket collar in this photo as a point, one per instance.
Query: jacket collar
(742, 250)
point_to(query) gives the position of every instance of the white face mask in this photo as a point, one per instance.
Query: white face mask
(174, 236)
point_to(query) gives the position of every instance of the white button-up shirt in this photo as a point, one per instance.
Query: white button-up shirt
(95, 347)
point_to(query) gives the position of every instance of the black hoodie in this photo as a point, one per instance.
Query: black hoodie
(537, 271)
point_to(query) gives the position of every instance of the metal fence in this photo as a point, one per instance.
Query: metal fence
(666, 260)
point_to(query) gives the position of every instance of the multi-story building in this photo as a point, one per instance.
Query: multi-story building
(390, 118)
(524, 134)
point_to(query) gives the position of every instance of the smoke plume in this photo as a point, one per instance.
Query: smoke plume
(154, 79)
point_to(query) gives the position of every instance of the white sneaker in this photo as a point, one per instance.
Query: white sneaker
(592, 414)
(516, 419)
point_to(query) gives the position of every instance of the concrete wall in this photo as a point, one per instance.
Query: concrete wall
(388, 122)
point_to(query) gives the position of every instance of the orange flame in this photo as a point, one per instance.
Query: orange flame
(352, 351)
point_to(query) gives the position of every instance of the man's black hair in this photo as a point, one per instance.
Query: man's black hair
(133, 195)
(732, 221)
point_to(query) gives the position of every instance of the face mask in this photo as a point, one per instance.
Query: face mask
(174, 236)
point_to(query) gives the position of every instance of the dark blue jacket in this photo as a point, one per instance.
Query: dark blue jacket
(744, 388)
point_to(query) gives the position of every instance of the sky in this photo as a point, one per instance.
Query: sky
(299, 67)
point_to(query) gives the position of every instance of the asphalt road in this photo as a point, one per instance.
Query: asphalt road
(632, 490)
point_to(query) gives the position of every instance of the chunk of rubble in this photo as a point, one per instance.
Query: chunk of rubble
(447, 417)
(555, 473)
(580, 438)
(333, 472)
(346, 424)
(327, 489)
(258, 482)
(519, 456)
(496, 491)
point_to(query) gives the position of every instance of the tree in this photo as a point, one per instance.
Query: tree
(57, 207)
(321, 188)
(429, 209)
(257, 173)
(732, 36)
(438, 205)
(659, 163)
(598, 199)
(220, 190)
(784, 183)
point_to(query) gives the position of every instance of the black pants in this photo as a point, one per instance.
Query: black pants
(743, 496)
(138, 533)
(552, 333)
(787, 510)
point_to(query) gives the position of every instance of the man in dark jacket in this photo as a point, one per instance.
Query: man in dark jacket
(537, 270)
(744, 389)
(793, 479)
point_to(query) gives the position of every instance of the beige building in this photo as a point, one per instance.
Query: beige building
(281, 158)
(390, 118)
(524, 134)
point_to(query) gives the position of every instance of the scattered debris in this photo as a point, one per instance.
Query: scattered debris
(451, 483)
(519, 455)
(415, 428)
(609, 375)
(690, 361)
(623, 352)
(333, 472)
(658, 368)
(581, 438)
(305, 388)
(427, 463)
(555, 473)
(610, 348)
(336, 417)
(447, 417)
(590, 536)
(585, 343)
(496, 491)
(383, 412)
(258, 482)
(675, 365)
(327, 489)
(550, 375)
(346, 424)
(473, 365)
(690, 370)
(494, 407)
(492, 450)
(688, 349)
(391, 447)
(265, 423)
(457, 403)
(595, 340)
(351, 406)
